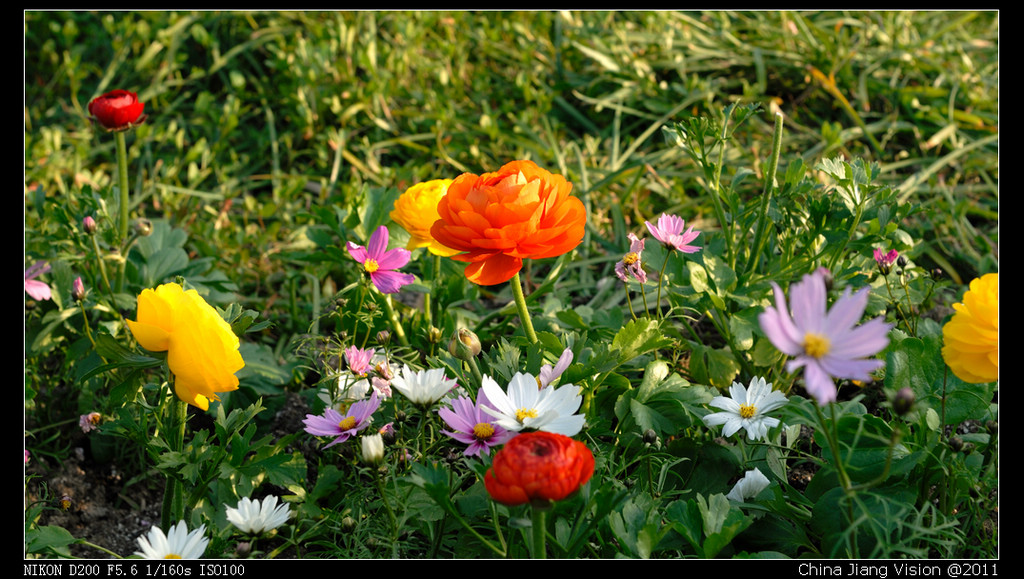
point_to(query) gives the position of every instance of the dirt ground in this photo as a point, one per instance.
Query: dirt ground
(104, 509)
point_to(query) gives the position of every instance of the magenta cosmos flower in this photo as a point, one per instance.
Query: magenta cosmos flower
(472, 426)
(826, 343)
(379, 262)
(332, 423)
(669, 231)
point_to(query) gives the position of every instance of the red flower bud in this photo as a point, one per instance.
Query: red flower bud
(538, 467)
(117, 110)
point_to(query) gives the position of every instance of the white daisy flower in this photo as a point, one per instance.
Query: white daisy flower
(747, 409)
(177, 544)
(527, 407)
(423, 387)
(749, 486)
(255, 518)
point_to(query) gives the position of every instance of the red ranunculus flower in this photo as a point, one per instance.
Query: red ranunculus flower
(499, 219)
(117, 110)
(538, 467)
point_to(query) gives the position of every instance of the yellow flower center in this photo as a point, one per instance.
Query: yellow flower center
(172, 556)
(816, 345)
(747, 410)
(524, 413)
(370, 265)
(631, 258)
(483, 431)
(347, 423)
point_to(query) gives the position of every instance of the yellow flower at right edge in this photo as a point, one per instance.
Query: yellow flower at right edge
(416, 210)
(971, 336)
(202, 350)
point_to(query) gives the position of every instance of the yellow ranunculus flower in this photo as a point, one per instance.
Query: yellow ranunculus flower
(202, 351)
(971, 336)
(416, 210)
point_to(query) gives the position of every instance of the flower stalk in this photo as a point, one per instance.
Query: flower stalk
(524, 312)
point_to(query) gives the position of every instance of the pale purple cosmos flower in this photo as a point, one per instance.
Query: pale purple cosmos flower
(36, 289)
(380, 263)
(826, 343)
(332, 423)
(548, 373)
(669, 231)
(472, 426)
(631, 264)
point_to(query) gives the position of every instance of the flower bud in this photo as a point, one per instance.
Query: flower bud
(903, 401)
(143, 227)
(465, 345)
(89, 225)
(650, 437)
(65, 502)
(78, 289)
(348, 524)
(373, 449)
(383, 337)
(434, 334)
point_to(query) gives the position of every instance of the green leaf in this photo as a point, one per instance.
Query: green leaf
(917, 363)
(49, 538)
(639, 337)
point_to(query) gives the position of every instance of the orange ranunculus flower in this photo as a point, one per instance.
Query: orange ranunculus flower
(498, 219)
(538, 467)
(416, 210)
(971, 336)
(202, 351)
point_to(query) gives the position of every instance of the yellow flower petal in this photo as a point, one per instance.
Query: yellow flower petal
(971, 337)
(416, 211)
(202, 350)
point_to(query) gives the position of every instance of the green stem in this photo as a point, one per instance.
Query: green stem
(661, 277)
(395, 323)
(524, 312)
(717, 184)
(173, 509)
(122, 174)
(769, 186)
(539, 532)
(384, 500)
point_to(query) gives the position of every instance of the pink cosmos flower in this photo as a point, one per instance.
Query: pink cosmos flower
(885, 260)
(825, 343)
(332, 423)
(472, 426)
(379, 262)
(359, 361)
(36, 289)
(669, 231)
(88, 422)
(631, 264)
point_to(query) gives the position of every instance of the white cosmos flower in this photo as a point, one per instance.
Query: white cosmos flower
(749, 486)
(254, 517)
(177, 544)
(423, 387)
(527, 407)
(747, 409)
